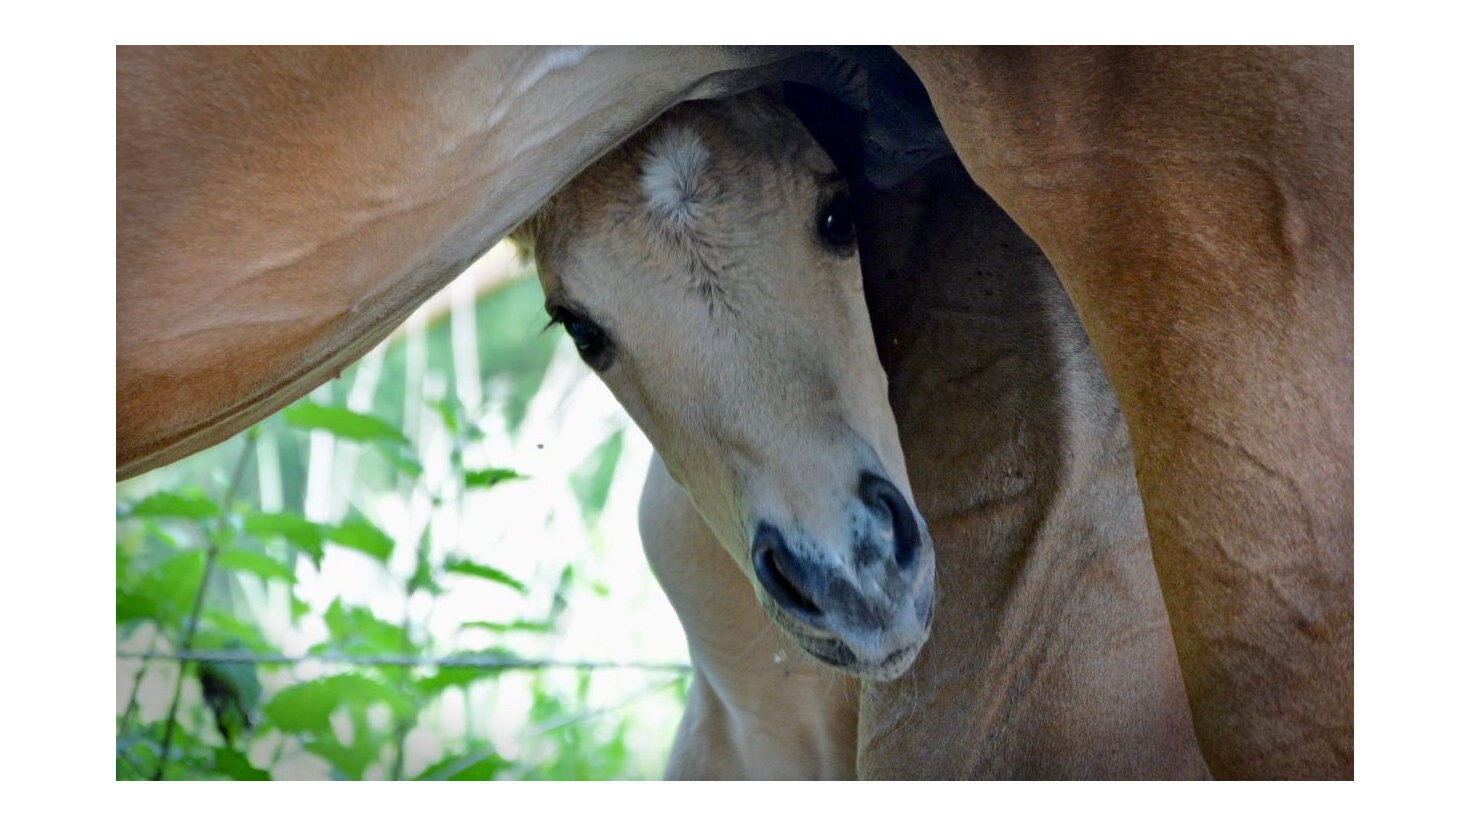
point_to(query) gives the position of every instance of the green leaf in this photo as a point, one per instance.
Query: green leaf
(252, 562)
(490, 477)
(232, 692)
(358, 533)
(356, 630)
(469, 568)
(123, 566)
(293, 528)
(132, 606)
(221, 630)
(166, 592)
(349, 762)
(448, 413)
(231, 763)
(307, 707)
(539, 626)
(187, 506)
(447, 677)
(423, 576)
(591, 480)
(479, 766)
(343, 423)
(408, 466)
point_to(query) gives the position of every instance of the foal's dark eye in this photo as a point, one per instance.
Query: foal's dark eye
(835, 222)
(591, 340)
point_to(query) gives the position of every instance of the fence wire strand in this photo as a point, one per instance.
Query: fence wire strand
(489, 663)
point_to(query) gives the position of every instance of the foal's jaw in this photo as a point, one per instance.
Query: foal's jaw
(865, 609)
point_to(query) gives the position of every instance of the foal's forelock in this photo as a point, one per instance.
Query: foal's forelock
(679, 186)
(673, 175)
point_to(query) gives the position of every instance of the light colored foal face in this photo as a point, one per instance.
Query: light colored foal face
(708, 272)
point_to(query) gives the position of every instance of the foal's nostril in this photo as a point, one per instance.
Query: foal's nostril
(880, 495)
(781, 573)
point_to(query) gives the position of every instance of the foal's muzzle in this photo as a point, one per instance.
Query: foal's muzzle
(865, 608)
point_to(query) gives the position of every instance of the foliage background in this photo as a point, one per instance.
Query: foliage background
(465, 493)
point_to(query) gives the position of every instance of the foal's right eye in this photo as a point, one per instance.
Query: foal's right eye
(592, 342)
(835, 223)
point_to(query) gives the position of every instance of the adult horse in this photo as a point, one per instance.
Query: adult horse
(280, 210)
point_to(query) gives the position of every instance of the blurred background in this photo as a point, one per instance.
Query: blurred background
(427, 569)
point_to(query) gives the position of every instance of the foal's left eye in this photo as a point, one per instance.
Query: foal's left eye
(835, 223)
(591, 340)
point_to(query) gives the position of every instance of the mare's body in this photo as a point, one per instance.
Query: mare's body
(1197, 205)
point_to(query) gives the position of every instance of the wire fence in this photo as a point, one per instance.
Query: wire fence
(488, 663)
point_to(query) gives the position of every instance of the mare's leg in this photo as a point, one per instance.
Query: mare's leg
(1050, 655)
(759, 707)
(1198, 207)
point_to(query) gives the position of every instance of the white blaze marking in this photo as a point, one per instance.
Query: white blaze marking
(671, 175)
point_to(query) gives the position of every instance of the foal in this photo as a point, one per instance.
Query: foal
(1051, 655)
(707, 270)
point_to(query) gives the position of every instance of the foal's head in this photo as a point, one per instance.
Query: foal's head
(707, 270)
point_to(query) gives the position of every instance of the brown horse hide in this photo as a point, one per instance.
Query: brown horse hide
(1051, 654)
(1197, 205)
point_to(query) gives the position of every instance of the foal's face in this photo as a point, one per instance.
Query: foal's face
(708, 272)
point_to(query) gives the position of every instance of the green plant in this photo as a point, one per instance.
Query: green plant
(238, 664)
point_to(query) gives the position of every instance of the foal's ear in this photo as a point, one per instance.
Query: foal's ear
(525, 234)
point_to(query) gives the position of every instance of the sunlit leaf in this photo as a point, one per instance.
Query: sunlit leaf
(406, 465)
(446, 677)
(348, 763)
(356, 630)
(478, 766)
(219, 629)
(591, 480)
(539, 626)
(234, 765)
(357, 533)
(469, 568)
(123, 566)
(490, 477)
(188, 506)
(166, 592)
(448, 414)
(307, 707)
(252, 562)
(293, 528)
(343, 423)
(560, 596)
(423, 578)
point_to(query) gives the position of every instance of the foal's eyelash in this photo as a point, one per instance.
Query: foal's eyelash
(558, 316)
